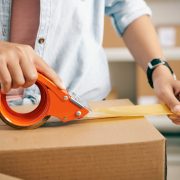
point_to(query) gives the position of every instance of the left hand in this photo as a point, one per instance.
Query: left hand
(168, 91)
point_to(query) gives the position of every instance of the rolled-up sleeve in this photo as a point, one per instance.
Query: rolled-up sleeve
(124, 12)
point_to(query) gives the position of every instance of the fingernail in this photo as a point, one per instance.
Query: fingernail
(176, 109)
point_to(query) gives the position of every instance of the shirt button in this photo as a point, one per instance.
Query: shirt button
(41, 40)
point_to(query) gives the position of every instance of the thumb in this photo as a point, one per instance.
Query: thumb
(171, 100)
(176, 108)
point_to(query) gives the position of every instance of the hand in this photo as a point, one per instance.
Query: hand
(167, 90)
(19, 65)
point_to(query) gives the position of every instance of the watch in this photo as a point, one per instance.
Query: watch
(152, 65)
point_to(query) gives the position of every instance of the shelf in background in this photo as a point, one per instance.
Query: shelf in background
(123, 55)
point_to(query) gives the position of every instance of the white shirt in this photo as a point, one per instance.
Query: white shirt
(73, 33)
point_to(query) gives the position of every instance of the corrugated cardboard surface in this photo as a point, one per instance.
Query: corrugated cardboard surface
(112, 149)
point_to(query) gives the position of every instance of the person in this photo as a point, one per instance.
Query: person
(63, 40)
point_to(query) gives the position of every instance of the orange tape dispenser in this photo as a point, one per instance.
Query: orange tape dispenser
(54, 102)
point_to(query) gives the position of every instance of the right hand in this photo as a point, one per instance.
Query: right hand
(19, 65)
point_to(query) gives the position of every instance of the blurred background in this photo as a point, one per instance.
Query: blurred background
(129, 81)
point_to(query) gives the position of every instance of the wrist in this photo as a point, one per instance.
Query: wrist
(158, 68)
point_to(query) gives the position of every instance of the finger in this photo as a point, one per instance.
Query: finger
(177, 95)
(177, 88)
(29, 70)
(169, 98)
(176, 122)
(5, 78)
(48, 72)
(16, 75)
(174, 117)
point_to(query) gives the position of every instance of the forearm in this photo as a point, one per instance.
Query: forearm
(141, 39)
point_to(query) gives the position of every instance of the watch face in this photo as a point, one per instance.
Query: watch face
(154, 63)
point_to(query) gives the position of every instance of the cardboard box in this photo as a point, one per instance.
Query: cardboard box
(169, 35)
(111, 38)
(175, 64)
(91, 149)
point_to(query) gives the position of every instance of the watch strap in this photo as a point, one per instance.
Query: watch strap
(152, 65)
